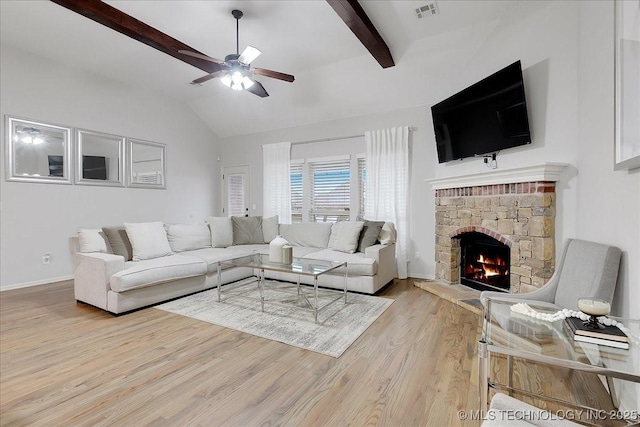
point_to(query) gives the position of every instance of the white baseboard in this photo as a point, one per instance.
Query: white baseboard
(36, 283)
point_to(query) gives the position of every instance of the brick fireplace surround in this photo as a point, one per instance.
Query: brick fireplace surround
(516, 207)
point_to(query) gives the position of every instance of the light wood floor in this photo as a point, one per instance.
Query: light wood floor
(64, 363)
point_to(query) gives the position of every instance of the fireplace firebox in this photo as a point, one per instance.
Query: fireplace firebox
(485, 262)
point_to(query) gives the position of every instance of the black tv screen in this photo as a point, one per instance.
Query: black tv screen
(487, 117)
(94, 167)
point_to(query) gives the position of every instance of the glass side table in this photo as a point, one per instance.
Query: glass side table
(515, 335)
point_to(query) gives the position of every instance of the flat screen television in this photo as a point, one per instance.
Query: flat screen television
(484, 118)
(94, 167)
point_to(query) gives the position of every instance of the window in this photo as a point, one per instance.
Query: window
(327, 189)
(330, 190)
(296, 191)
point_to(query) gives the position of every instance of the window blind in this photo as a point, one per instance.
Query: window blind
(330, 190)
(296, 192)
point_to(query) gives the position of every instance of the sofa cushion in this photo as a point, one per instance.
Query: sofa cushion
(92, 240)
(221, 231)
(344, 236)
(310, 234)
(269, 228)
(119, 241)
(247, 230)
(357, 263)
(186, 237)
(211, 256)
(158, 270)
(148, 240)
(369, 234)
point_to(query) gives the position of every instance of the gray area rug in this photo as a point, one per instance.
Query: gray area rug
(339, 325)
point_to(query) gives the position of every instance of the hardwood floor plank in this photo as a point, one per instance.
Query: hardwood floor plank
(65, 363)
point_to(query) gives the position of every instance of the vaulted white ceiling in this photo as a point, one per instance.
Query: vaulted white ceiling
(336, 76)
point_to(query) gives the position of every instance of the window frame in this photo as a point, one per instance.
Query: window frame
(356, 204)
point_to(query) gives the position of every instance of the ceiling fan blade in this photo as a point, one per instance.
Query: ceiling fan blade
(257, 89)
(249, 54)
(208, 77)
(274, 74)
(201, 56)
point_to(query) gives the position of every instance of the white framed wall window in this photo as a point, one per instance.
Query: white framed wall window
(327, 189)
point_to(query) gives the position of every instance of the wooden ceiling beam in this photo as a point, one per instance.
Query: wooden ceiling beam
(125, 24)
(357, 20)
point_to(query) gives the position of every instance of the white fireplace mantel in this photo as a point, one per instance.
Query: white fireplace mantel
(541, 172)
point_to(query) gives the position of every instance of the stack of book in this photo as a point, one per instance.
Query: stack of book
(610, 336)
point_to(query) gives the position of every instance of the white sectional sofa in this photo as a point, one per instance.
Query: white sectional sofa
(119, 269)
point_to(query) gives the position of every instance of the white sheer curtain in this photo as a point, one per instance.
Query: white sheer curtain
(276, 193)
(388, 184)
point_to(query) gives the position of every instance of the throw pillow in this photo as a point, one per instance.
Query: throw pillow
(247, 230)
(369, 234)
(388, 234)
(346, 239)
(221, 231)
(186, 237)
(119, 241)
(91, 240)
(148, 240)
(270, 228)
(310, 234)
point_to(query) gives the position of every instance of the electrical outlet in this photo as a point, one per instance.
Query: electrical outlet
(417, 255)
(46, 259)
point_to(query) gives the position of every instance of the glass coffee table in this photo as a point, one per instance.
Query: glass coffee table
(299, 267)
(533, 340)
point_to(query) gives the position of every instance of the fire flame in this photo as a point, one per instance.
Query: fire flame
(489, 267)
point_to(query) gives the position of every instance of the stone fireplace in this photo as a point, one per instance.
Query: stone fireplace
(514, 209)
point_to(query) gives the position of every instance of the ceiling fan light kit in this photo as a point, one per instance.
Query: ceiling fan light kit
(235, 71)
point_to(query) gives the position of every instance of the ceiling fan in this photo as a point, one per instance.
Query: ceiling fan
(235, 71)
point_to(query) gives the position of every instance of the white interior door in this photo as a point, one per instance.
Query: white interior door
(235, 190)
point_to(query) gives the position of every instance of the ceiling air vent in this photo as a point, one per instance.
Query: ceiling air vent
(427, 10)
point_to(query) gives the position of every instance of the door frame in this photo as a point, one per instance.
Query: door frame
(225, 170)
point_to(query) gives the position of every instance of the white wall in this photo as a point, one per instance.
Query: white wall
(39, 218)
(608, 200)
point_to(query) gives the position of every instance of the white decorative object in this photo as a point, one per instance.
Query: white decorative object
(594, 307)
(275, 249)
(525, 309)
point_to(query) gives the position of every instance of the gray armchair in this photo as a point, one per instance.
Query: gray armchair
(586, 269)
